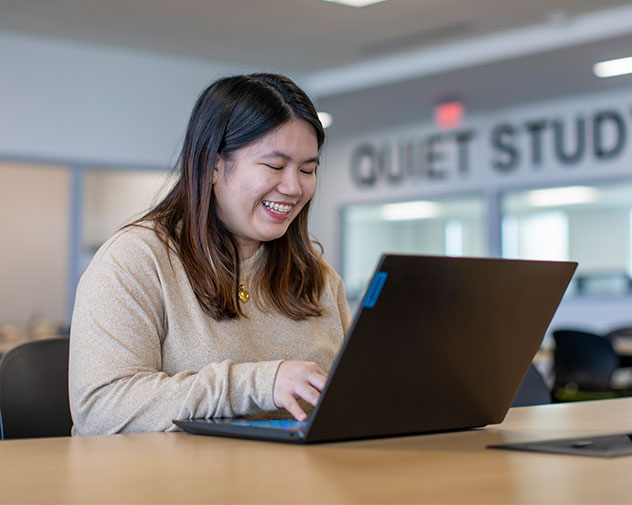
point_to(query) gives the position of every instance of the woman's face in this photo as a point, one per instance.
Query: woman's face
(263, 187)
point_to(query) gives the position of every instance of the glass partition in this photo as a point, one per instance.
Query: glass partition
(450, 226)
(589, 224)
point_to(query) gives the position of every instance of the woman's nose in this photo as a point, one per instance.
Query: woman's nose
(290, 184)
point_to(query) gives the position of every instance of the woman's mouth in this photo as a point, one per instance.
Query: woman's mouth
(280, 209)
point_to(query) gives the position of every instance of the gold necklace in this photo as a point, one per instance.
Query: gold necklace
(244, 295)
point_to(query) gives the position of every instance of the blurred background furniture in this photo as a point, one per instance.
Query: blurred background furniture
(34, 390)
(533, 390)
(12, 335)
(583, 365)
(621, 340)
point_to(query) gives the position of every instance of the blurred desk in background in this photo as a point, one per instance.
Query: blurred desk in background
(7, 345)
(622, 346)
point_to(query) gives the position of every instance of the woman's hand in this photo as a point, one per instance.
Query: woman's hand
(298, 379)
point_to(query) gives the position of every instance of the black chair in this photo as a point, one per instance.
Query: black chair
(533, 390)
(34, 390)
(583, 364)
(625, 360)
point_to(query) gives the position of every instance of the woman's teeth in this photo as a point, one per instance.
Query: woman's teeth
(278, 208)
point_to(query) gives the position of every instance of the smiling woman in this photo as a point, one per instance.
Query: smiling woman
(215, 303)
(262, 187)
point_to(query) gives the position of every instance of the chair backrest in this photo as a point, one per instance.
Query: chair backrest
(625, 332)
(34, 390)
(533, 390)
(584, 359)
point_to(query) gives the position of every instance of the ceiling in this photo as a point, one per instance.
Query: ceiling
(542, 76)
(374, 66)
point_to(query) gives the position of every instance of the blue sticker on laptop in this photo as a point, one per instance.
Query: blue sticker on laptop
(374, 290)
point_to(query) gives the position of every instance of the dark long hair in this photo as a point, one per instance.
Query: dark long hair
(228, 115)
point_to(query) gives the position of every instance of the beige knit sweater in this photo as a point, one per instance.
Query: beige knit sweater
(142, 351)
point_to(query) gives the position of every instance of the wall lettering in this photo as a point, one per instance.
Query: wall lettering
(600, 122)
(530, 145)
(436, 157)
(507, 155)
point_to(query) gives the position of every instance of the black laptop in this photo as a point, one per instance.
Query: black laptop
(439, 343)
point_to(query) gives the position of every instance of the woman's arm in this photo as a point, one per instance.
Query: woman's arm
(116, 380)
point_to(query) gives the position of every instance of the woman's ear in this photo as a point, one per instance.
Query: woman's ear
(218, 169)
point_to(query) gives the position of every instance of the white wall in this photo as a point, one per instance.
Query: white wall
(76, 104)
(65, 101)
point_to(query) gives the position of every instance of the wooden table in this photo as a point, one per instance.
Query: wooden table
(444, 468)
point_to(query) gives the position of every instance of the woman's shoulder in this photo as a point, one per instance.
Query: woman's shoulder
(332, 277)
(138, 242)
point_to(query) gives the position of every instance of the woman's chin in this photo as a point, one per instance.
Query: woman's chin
(273, 234)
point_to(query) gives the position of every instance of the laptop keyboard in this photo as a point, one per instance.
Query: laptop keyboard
(279, 424)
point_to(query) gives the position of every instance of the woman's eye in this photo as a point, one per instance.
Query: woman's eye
(273, 167)
(308, 172)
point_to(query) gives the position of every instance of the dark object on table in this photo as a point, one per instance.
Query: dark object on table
(604, 446)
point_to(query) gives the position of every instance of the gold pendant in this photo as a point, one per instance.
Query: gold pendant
(244, 296)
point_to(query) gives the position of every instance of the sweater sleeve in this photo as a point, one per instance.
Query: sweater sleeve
(116, 382)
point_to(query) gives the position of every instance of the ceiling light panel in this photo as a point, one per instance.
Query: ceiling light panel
(355, 3)
(613, 68)
(409, 210)
(554, 197)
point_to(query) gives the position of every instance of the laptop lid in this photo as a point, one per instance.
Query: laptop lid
(438, 343)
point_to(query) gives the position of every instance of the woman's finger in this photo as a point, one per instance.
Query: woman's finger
(318, 380)
(292, 406)
(308, 393)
